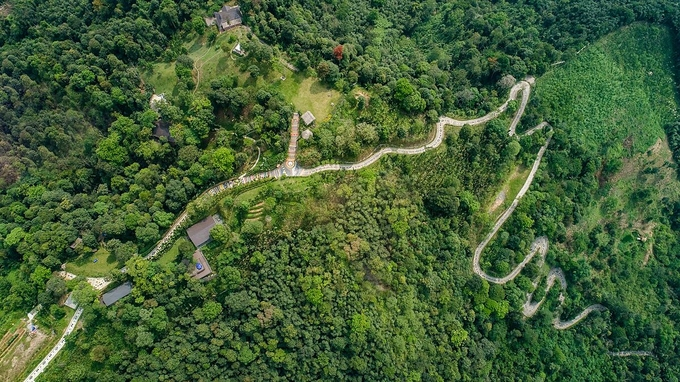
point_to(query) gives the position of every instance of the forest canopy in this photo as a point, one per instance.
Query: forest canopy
(361, 274)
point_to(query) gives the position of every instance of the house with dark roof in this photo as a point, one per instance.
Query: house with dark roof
(162, 130)
(199, 233)
(227, 18)
(117, 293)
(201, 268)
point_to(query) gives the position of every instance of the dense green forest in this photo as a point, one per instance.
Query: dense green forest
(358, 276)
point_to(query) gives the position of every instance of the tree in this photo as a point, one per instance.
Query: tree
(56, 286)
(222, 160)
(148, 233)
(14, 237)
(408, 97)
(252, 228)
(211, 310)
(40, 276)
(84, 294)
(254, 71)
(337, 52)
(220, 233)
(110, 149)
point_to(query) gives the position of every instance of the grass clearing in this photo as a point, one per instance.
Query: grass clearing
(171, 254)
(211, 62)
(85, 266)
(308, 93)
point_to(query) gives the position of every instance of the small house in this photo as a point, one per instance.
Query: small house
(117, 293)
(308, 118)
(75, 244)
(156, 100)
(70, 302)
(199, 233)
(239, 50)
(227, 18)
(307, 134)
(162, 130)
(201, 268)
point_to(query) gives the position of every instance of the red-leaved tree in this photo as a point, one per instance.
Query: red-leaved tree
(337, 52)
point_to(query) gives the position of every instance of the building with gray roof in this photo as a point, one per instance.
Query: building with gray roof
(228, 17)
(199, 233)
(308, 118)
(117, 293)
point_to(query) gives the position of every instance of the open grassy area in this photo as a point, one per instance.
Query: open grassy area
(620, 90)
(308, 93)
(88, 268)
(209, 59)
(211, 62)
(510, 189)
(171, 254)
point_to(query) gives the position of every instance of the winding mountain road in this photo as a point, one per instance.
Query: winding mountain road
(291, 168)
(539, 246)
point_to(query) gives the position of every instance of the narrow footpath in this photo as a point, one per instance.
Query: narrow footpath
(53, 353)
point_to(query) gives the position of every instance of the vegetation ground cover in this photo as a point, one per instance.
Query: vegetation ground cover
(621, 91)
(213, 60)
(78, 159)
(88, 267)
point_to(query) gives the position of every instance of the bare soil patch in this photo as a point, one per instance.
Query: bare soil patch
(20, 352)
(5, 9)
(499, 201)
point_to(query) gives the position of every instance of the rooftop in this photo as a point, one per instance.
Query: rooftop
(308, 117)
(117, 293)
(199, 233)
(201, 268)
(307, 134)
(69, 301)
(228, 17)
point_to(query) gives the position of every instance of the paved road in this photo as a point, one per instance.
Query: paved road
(53, 353)
(290, 162)
(522, 86)
(539, 246)
(295, 170)
(630, 353)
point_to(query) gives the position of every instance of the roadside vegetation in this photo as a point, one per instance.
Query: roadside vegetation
(345, 275)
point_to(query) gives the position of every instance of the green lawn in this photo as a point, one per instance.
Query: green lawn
(88, 268)
(171, 254)
(621, 87)
(211, 62)
(307, 93)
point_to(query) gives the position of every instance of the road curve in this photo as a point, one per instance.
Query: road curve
(539, 246)
(522, 86)
(53, 353)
